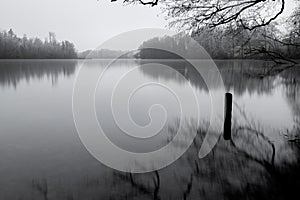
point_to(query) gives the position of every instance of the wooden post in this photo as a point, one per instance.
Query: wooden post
(227, 120)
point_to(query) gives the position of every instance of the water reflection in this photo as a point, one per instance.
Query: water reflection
(12, 72)
(43, 158)
(291, 82)
(237, 75)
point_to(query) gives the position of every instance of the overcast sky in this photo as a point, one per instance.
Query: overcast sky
(86, 23)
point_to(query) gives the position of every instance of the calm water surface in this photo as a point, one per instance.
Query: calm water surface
(39, 144)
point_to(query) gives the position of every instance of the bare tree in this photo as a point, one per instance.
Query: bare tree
(254, 16)
(198, 13)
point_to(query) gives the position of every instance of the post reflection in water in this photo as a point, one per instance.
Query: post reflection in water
(42, 156)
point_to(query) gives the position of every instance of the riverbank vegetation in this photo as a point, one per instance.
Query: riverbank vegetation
(260, 29)
(14, 47)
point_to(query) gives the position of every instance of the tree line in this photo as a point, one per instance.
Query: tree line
(226, 43)
(104, 54)
(170, 47)
(14, 47)
(237, 28)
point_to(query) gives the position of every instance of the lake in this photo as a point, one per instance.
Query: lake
(42, 156)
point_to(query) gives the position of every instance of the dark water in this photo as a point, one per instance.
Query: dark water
(42, 156)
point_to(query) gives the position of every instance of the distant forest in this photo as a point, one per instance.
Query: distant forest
(220, 43)
(14, 47)
(223, 43)
(105, 54)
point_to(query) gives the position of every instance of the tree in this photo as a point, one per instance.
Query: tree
(198, 13)
(12, 47)
(196, 16)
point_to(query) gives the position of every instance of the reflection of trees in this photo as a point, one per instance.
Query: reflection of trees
(243, 170)
(246, 167)
(227, 172)
(239, 76)
(291, 82)
(150, 190)
(181, 68)
(13, 72)
(236, 77)
(42, 187)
